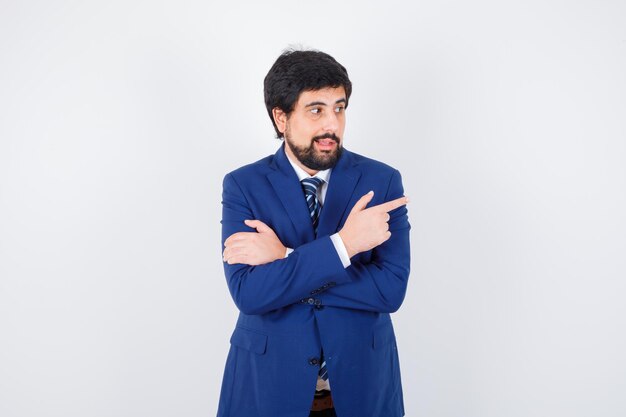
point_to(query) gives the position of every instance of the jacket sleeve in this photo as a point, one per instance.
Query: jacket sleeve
(263, 288)
(378, 284)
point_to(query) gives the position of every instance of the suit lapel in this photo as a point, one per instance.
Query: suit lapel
(289, 191)
(342, 183)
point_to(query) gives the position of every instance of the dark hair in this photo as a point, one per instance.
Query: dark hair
(296, 71)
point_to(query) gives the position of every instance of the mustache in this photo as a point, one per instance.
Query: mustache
(327, 136)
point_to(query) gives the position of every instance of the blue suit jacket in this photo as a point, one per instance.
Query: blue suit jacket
(292, 308)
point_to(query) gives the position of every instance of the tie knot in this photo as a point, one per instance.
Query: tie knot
(310, 185)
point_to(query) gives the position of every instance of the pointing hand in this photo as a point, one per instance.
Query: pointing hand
(366, 228)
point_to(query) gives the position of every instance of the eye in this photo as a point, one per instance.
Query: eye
(316, 110)
(339, 109)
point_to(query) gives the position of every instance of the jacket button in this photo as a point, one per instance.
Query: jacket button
(314, 361)
(318, 302)
(311, 301)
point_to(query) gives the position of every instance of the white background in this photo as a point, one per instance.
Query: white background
(119, 119)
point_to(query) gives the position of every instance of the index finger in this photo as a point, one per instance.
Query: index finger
(235, 237)
(390, 205)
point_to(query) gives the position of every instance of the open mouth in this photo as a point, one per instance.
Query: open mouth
(326, 144)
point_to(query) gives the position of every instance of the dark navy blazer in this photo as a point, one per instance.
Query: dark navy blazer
(292, 308)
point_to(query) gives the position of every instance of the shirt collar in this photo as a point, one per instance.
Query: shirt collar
(322, 175)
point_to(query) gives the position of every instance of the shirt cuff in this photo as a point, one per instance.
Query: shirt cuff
(288, 251)
(341, 250)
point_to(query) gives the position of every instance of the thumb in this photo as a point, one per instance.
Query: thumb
(363, 202)
(258, 225)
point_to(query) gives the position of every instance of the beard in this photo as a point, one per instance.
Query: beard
(312, 158)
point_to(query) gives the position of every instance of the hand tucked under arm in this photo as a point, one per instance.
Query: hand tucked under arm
(252, 248)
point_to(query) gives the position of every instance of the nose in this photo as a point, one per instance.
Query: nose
(331, 121)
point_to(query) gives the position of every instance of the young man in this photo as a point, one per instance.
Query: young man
(316, 256)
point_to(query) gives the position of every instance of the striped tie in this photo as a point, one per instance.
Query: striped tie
(323, 371)
(310, 186)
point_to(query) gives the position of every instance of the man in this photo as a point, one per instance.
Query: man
(316, 256)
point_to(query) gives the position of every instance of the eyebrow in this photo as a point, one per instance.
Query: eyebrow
(321, 103)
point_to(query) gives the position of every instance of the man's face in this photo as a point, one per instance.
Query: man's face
(314, 129)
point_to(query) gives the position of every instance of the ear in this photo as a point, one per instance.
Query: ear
(280, 118)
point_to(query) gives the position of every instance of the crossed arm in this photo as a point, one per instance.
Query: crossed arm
(261, 279)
